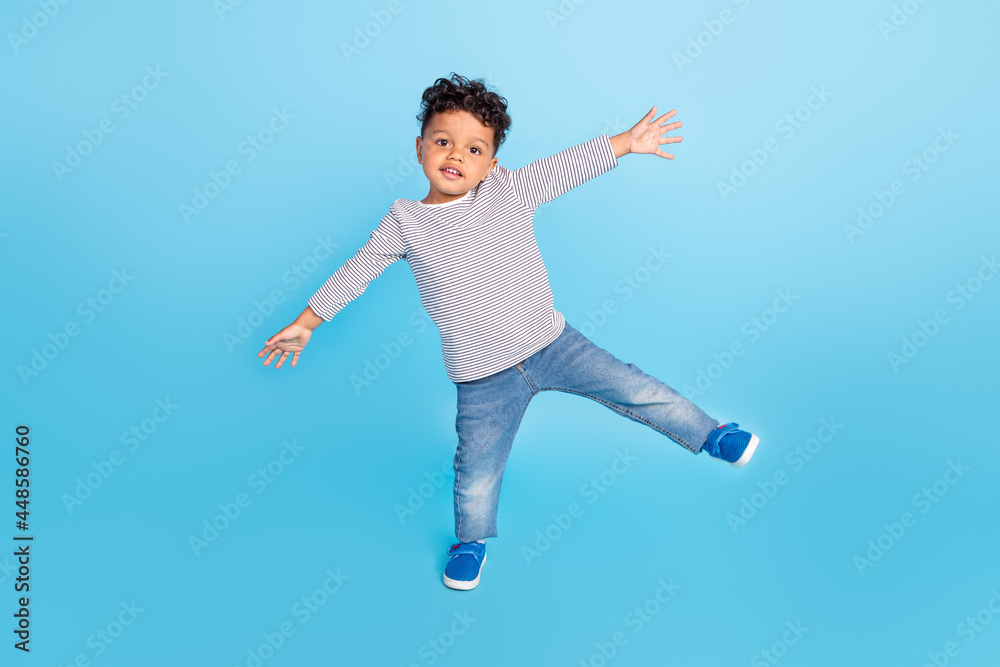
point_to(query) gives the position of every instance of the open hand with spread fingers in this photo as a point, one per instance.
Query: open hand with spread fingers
(289, 340)
(647, 137)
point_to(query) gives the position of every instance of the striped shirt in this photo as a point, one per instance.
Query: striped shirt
(476, 261)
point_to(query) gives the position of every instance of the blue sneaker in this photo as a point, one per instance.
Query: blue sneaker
(464, 564)
(729, 443)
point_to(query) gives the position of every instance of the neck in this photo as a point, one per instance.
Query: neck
(437, 197)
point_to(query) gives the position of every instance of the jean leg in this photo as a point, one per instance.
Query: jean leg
(489, 413)
(574, 364)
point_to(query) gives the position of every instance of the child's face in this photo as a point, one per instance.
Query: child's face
(455, 139)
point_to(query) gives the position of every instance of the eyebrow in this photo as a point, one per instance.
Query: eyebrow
(446, 132)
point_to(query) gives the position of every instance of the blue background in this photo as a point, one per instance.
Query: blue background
(331, 174)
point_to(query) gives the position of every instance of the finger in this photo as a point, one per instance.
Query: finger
(281, 360)
(670, 140)
(645, 119)
(295, 358)
(662, 154)
(672, 126)
(271, 356)
(665, 116)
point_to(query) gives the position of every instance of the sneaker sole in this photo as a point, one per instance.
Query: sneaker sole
(747, 453)
(460, 585)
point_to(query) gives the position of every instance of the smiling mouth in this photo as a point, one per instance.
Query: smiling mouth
(451, 172)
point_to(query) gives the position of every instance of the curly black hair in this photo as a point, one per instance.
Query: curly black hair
(469, 95)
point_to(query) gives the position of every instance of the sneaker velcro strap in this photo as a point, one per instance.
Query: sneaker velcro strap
(467, 548)
(715, 437)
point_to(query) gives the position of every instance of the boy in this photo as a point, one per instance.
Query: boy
(471, 246)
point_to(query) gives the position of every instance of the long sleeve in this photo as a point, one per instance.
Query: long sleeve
(545, 179)
(349, 281)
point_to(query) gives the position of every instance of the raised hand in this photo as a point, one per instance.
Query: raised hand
(289, 340)
(646, 137)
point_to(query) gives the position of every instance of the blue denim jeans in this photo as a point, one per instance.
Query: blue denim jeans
(490, 411)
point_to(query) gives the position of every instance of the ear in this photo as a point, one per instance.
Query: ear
(419, 143)
(493, 163)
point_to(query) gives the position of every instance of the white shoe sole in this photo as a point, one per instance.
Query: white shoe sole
(747, 453)
(465, 585)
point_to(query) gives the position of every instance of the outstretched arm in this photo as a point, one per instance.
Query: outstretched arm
(547, 178)
(347, 283)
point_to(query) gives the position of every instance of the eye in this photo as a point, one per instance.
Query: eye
(476, 149)
(439, 140)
